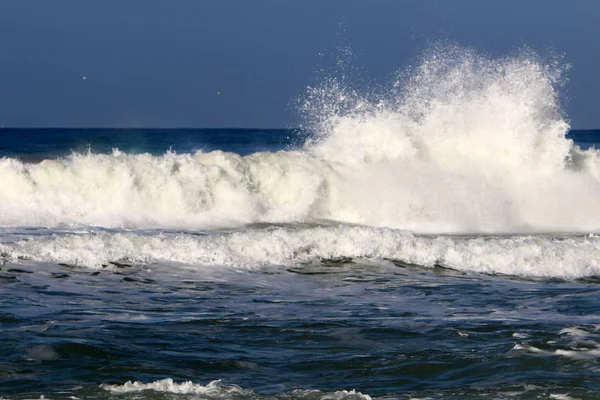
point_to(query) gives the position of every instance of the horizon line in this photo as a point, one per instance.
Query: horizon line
(184, 128)
(146, 128)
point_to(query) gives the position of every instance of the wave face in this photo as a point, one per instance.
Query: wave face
(461, 144)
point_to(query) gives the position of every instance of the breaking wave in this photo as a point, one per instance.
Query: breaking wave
(461, 144)
(528, 256)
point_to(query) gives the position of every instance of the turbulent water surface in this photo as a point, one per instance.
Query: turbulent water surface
(437, 240)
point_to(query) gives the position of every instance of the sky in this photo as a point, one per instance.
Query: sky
(152, 63)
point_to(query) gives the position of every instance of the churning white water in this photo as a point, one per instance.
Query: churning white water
(461, 144)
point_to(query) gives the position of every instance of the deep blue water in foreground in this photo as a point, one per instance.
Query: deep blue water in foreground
(85, 308)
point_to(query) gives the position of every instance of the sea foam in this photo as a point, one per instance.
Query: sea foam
(217, 390)
(527, 256)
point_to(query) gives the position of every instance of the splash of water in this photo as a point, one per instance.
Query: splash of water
(463, 143)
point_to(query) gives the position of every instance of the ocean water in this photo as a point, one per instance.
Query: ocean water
(434, 240)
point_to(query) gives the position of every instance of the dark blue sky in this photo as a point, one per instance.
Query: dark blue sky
(157, 63)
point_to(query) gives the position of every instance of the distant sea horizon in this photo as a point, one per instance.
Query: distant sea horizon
(269, 128)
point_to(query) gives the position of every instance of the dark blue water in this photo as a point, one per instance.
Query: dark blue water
(307, 326)
(37, 144)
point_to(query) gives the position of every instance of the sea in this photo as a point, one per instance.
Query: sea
(436, 241)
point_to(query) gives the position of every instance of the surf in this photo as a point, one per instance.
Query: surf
(460, 143)
(566, 257)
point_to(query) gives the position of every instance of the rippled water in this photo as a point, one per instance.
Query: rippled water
(385, 329)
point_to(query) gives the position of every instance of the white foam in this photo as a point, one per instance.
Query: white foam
(528, 256)
(462, 144)
(468, 144)
(562, 397)
(581, 354)
(186, 190)
(528, 348)
(346, 395)
(575, 332)
(213, 390)
(218, 390)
